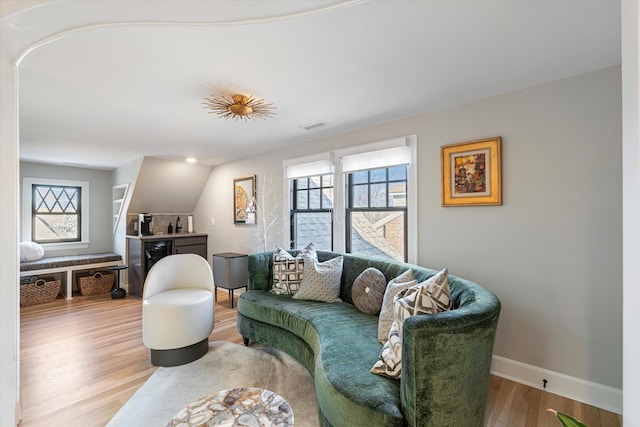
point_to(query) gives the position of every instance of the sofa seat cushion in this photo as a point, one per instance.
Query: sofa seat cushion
(344, 341)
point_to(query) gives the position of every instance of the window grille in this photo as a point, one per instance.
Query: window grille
(311, 212)
(376, 213)
(56, 213)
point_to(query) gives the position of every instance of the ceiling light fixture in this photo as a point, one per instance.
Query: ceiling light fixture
(239, 107)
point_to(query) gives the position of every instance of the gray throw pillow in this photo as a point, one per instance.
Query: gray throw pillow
(368, 291)
(321, 280)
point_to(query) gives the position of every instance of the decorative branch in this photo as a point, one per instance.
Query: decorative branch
(268, 215)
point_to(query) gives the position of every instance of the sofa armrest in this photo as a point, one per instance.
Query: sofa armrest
(260, 274)
(446, 362)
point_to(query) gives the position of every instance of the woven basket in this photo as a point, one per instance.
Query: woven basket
(41, 291)
(97, 283)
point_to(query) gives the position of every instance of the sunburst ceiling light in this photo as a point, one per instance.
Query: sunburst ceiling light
(239, 107)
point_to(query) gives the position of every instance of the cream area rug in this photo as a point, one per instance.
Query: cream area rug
(225, 366)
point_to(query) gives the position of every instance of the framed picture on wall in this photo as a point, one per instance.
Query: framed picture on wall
(244, 193)
(471, 173)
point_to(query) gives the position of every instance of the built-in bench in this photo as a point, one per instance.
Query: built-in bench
(68, 265)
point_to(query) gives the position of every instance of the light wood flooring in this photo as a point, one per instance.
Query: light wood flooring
(81, 360)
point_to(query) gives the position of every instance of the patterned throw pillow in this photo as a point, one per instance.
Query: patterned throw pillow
(403, 281)
(288, 270)
(368, 291)
(321, 280)
(429, 297)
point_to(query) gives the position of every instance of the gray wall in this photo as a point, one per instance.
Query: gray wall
(552, 252)
(101, 223)
(167, 186)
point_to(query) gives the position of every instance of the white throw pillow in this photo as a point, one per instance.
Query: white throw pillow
(30, 251)
(321, 280)
(403, 281)
(429, 297)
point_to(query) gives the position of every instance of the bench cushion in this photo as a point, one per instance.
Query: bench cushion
(68, 261)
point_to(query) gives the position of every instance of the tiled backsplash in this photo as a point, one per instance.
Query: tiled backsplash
(160, 223)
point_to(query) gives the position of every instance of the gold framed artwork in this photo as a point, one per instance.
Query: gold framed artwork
(471, 173)
(244, 193)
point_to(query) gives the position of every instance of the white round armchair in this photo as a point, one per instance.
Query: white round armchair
(177, 309)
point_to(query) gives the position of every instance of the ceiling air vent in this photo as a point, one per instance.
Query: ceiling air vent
(312, 126)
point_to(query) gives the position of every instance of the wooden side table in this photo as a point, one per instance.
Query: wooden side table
(230, 271)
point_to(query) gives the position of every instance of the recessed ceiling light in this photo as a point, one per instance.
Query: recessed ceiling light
(191, 160)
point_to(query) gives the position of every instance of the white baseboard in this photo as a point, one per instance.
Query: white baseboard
(18, 412)
(591, 393)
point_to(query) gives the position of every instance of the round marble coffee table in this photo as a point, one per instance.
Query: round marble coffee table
(244, 406)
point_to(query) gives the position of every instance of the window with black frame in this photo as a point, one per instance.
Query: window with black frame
(311, 212)
(376, 213)
(56, 213)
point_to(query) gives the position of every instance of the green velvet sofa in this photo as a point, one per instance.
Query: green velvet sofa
(446, 357)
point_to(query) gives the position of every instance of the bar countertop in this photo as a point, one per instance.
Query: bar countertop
(166, 236)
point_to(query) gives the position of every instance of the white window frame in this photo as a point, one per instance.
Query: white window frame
(27, 201)
(335, 160)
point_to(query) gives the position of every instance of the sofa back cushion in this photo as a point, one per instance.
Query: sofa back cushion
(261, 274)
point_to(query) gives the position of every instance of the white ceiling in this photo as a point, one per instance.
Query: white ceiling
(120, 80)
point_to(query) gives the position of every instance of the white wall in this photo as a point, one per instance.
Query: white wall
(100, 211)
(168, 186)
(552, 251)
(125, 174)
(631, 211)
(9, 300)
(216, 204)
